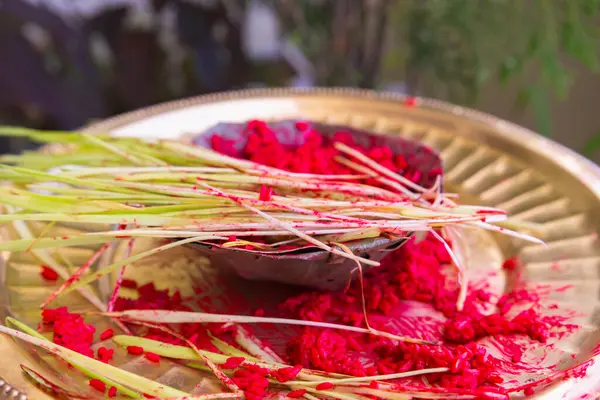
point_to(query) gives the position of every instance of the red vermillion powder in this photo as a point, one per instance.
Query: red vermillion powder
(265, 193)
(252, 380)
(69, 330)
(233, 362)
(151, 298)
(316, 155)
(135, 350)
(48, 273)
(107, 334)
(128, 283)
(414, 272)
(511, 264)
(152, 357)
(98, 385)
(325, 386)
(105, 355)
(410, 102)
(287, 373)
(294, 394)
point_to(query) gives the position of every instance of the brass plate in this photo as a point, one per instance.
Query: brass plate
(487, 161)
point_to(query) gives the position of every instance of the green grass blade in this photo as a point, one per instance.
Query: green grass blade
(129, 260)
(24, 328)
(99, 369)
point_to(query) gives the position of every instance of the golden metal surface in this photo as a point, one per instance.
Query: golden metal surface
(487, 161)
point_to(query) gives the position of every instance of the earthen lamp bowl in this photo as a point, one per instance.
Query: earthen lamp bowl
(311, 266)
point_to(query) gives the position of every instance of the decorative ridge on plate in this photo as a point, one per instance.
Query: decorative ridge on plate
(11, 392)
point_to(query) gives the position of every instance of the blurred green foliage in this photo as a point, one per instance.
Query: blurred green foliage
(447, 49)
(592, 145)
(450, 49)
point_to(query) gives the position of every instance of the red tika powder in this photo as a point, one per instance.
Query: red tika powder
(98, 385)
(135, 350)
(294, 394)
(48, 273)
(107, 334)
(252, 380)
(69, 330)
(315, 155)
(233, 362)
(155, 358)
(105, 355)
(414, 272)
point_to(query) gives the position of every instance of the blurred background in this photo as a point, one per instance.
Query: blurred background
(65, 63)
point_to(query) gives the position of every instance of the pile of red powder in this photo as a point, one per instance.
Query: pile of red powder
(69, 330)
(314, 155)
(415, 273)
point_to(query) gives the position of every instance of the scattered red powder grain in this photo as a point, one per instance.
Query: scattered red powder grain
(105, 355)
(129, 283)
(325, 386)
(135, 350)
(296, 393)
(435, 172)
(301, 125)
(98, 385)
(151, 356)
(233, 362)
(48, 273)
(410, 102)
(287, 373)
(107, 334)
(511, 264)
(252, 380)
(374, 385)
(225, 146)
(69, 330)
(112, 392)
(265, 193)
